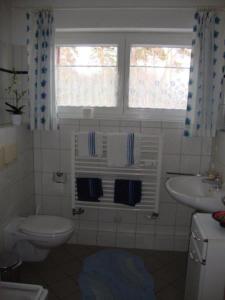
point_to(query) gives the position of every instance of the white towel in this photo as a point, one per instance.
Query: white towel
(123, 149)
(90, 144)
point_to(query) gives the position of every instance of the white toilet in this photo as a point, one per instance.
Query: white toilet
(33, 237)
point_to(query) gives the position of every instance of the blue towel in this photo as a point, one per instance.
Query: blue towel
(130, 149)
(127, 192)
(91, 143)
(89, 189)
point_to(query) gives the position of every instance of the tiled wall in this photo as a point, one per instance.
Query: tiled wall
(120, 228)
(16, 179)
(219, 153)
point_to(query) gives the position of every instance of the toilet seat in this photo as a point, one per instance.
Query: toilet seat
(46, 226)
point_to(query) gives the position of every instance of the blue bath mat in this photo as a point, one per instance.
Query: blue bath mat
(115, 275)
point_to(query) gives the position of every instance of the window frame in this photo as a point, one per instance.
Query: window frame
(158, 39)
(89, 39)
(124, 40)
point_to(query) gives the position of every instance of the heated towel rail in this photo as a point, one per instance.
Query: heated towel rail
(148, 171)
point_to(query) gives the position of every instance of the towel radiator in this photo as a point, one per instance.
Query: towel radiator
(148, 171)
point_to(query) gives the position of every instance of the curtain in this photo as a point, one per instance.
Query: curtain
(41, 56)
(207, 70)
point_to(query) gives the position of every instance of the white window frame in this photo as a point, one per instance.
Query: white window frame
(155, 40)
(124, 42)
(89, 39)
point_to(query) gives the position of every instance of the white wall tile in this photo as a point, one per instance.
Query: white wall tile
(153, 131)
(51, 188)
(126, 227)
(183, 215)
(145, 241)
(191, 145)
(51, 205)
(87, 237)
(190, 164)
(105, 238)
(38, 167)
(65, 161)
(90, 214)
(145, 218)
(205, 164)
(37, 139)
(51, 160)
(127, 216)
(206, 145)
(151, 124)
(167, 213)
(50, 139)
(146, 228)
(125, 240)
(107, 215)
(16, 179)
(66, 136)
(88, 225)
(172, 141)
(107, 226)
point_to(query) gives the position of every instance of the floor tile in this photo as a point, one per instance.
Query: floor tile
(60, 271)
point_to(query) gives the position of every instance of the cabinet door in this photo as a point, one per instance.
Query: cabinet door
(194, 275)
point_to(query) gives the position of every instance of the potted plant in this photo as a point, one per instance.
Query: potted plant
(16, 110)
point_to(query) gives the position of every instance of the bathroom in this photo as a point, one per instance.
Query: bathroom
(37, 177)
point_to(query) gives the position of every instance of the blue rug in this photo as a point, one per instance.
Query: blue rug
(115, 275)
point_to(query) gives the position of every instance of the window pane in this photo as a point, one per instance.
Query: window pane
(87, 76)
(159, 77)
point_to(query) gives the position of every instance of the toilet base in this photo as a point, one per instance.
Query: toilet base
(16, 241)
(30, 253)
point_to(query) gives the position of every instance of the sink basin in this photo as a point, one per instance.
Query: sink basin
(192, 191)
(20, 291)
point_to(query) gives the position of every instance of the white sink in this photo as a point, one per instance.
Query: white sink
(192, 191)
(20, 291)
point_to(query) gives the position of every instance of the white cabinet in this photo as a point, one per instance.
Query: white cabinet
(206, 260)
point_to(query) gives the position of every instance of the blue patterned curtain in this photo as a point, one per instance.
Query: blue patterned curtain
(207, 70)
(40, 45)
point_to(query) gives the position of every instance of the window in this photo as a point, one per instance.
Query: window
(158, 77)
(122, 74)
(87, 76)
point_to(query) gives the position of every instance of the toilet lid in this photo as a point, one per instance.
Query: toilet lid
(46, 225)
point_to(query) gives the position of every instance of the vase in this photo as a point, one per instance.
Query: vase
(16, 119)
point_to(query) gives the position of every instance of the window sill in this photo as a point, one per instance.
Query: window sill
(159, 115)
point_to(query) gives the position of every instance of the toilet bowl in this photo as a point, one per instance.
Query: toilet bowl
(33, 237)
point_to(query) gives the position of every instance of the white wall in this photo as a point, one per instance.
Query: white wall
(16, 179)
(112, 14)
(5, 21)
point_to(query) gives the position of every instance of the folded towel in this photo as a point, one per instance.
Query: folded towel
(123, 149)
(90, 144)
(127, 192)
(89, 189)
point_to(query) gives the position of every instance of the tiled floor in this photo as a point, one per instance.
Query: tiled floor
(60, 271)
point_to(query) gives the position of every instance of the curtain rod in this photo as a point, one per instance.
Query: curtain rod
(216, 8)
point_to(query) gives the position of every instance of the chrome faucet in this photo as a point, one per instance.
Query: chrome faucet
(216, 182)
